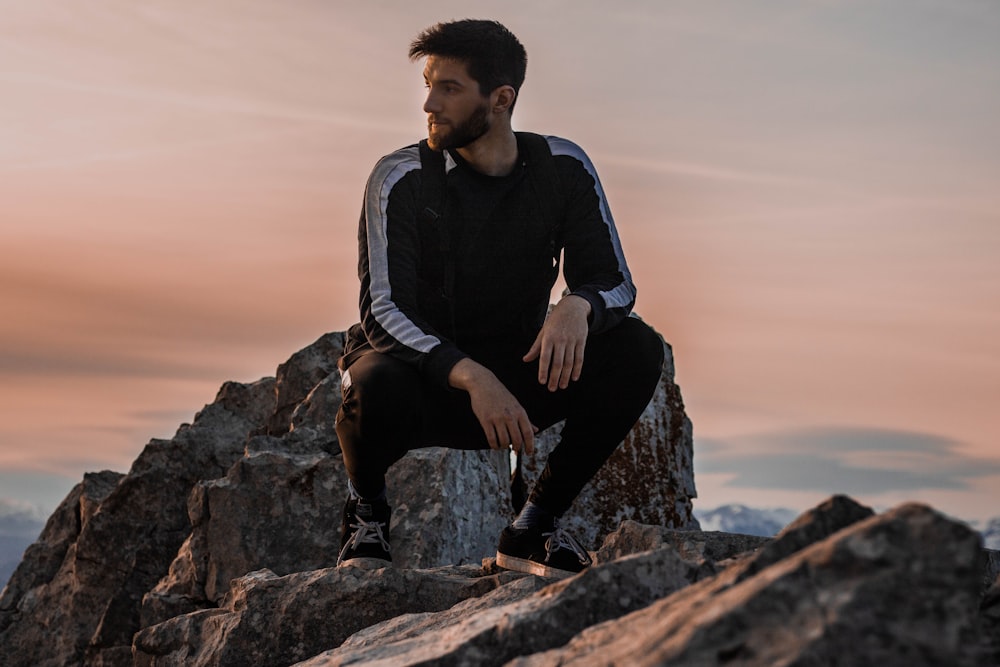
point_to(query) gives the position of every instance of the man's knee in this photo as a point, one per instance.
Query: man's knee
(632, 345)
(376, 386)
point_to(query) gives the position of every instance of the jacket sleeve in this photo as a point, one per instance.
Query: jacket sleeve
(594, 264)
(388, 258)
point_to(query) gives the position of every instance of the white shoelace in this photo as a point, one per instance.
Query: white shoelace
(365, 532)
(560, 539)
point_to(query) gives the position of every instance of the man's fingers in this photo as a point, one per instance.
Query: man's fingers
(560, 370)
(527, 433)
(578, 362)
(534, 350)
(544, 359)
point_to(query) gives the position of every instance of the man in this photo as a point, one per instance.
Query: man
(455, 347)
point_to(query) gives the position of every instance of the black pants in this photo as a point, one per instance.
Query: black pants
(388, 409)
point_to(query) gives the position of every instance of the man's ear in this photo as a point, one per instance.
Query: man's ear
(503, 99)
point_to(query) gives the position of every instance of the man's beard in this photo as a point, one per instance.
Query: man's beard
(463, 134)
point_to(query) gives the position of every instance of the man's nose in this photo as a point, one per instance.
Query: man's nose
(431, 103)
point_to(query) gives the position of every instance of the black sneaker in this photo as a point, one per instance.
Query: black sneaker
(365, 536)
(547, 552)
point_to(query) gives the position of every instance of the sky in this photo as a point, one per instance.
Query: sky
(805, 191)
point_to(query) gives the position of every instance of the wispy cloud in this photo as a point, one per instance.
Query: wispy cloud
(843, 460)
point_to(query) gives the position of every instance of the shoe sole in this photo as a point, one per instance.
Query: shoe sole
(531, 567)
(366, 563)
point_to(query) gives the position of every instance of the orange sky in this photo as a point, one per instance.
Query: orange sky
(806, 193)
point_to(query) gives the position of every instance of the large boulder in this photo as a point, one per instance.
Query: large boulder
(271, 621)
(897, 589)
(648, 479)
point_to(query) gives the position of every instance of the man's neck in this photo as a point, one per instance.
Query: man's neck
(494, 153)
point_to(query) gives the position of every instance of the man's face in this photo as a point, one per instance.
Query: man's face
(457, 114)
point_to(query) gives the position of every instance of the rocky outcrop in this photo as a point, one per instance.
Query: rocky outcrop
(255, 485)
(218, 546)
(840, 587)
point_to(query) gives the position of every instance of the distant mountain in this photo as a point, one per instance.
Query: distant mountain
(745, 520)
(991, 534)
(20, 525)
(737, 518)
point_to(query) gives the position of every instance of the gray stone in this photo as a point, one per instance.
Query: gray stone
(449, 506)
(476, 634)
(271, 621)
(282, 513)
(296, 378)
(43, 559)
(692, 545)
(898, 589)
(989, 625)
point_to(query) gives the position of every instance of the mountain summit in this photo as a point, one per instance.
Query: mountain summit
(217, 549)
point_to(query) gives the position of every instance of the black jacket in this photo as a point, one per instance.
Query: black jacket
(501, 250)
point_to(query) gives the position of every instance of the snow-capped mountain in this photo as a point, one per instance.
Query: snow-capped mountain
(768, 522)
(746, 520)
(991, 534)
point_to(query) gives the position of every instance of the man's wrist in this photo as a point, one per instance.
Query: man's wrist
(466, 374)
(577, 301)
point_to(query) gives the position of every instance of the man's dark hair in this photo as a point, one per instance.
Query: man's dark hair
(491, 53)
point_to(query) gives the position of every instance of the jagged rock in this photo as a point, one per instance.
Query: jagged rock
(897, 589)
(271, 510)
(649, 478)
(989, 624)
(297, 377)
(43, 559)
(270, 621)
(480, 633)
(282, 512)
(313, 422)
(89, 609)
(991, 567)
(692, 545)
(819, 523)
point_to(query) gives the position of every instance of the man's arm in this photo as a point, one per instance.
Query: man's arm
(388, 267)
(594, 263)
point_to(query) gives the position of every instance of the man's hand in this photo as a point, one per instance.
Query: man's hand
(560, 344)
(502, 417)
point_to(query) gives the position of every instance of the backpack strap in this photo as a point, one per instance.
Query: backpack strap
(433, 185)
(544, 181)
(432, 176)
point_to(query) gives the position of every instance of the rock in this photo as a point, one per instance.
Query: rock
(989, 625)
(272, 510)
(88, 609)
(449, 506)
(255, 483)
(479, 633)
(898, 589)
(819, 523)
(990, 566)
(43, 559)
(296, 378)
(318, 610)
(282, 513)
(633, 537)
(649, 478)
